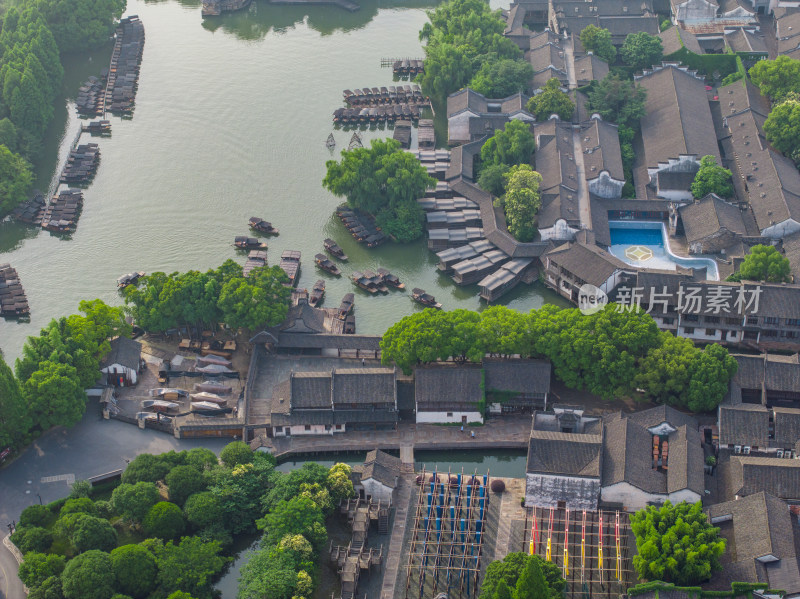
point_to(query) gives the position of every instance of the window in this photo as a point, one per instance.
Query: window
(770, 333)
(691, 318)
(338, 427)
(731, 321)
(688, 330)
(770, 320)
(449, 414)
(711, 332)
(307, 427)
(712, 319)
(666, 320)
(793, 322)
(752, 320)
(731, 334)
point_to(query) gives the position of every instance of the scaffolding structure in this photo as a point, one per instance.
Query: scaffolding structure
(447, 536)
(590, 547)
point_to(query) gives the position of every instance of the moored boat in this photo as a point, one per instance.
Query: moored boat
(323, 262)
(130, 279)
(346, 307)
(364, 282)
(390, 279)
(317, 293)
(350, 324)
(425, 299)
(262, 226)
(376, 280)
(159, 405)
(334, 250)
(248, 243)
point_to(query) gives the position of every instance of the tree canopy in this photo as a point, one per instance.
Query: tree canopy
(763, 263)
(164, 520)
(133, 501)
(642, 50)
(15, 178)
(782, 128)
(461, 37)
(550, 101)
(676, 543)
(610, 353)
(776, 78)
(508, 571)
(384, 181)
(135, 569)
(81, 24)
(502, 78)
(598, 40)
(522, 201)
(184, 481)
(510, 146)
(89, 576)
(15, 419)
(712, 178)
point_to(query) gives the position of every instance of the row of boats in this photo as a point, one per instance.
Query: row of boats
(377, 114)
(408, 66)
(362, 226)
(81, 164)
(13, 302)
(123, 72)
(89, 101)
(101, 127)
(401, 94)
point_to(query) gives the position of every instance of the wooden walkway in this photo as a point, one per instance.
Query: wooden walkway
(395, 558)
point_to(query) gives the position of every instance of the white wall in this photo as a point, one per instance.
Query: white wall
(544, 490)
(605, 186)
(443, 417)
(700, 332)
(376, 490)
(120, 369)
(560, 231)
(633, 498)
(300, 430)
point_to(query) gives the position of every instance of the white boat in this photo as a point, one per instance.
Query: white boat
(154, 416)
(214, 369)
(212, 359)
(206, 396)
(203, 405)
(161, 391)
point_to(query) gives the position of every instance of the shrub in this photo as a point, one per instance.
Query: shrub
(32, 538)
(164, 520)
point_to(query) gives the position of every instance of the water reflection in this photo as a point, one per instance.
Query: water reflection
(260, 18)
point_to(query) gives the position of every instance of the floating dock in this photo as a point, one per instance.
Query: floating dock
(123, 72)
(13, 302)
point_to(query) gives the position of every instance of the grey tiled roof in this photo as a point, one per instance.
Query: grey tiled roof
(741, 40)
(675, 38)
(568, 454)
(447, 384)
(124, 351)
(310, 390)
(787, 427)
(627, 457)
(364, 385)
(678, 119)
(744, 424)
(746, 475)
(588, 262)
(601, 151)
(524, 376)
(382, 467)
(708, 216)
(657, 415)
(685, 461)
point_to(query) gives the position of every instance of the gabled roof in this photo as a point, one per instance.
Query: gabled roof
(744, 424)
(566, 454)
(678, 118)
(742, 40)
(601, 150)
(522, 376)
(590, 67)
(303, 318)
(658, 415)
(364, 385)
(546, 56)
(448, 385)
(787, 426)
(747, 475)
(125, 352)
(587, 262)
(710, 215)
(310, 390)
(382, 467)
(675, 38)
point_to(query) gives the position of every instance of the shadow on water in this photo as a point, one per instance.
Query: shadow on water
(262, 17)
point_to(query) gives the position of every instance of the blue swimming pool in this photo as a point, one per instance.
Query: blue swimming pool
(646, 245)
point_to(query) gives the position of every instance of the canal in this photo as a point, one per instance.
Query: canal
(231, 120)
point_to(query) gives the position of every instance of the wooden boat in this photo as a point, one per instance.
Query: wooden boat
(334, 250)
(330, 143)
(164, 391)
(425, 299)
(130, 279)
(153, 417)
(350, 324)
(262, 226)
(377, 280)
(248, 243)
(317, 293)
(203, 405)
(206, 396)
(215, 411)
(322, 261)
(364, 282)
(159, 405)
(390, 279)
(346, 307)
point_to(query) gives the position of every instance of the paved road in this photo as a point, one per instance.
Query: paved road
(94, 446)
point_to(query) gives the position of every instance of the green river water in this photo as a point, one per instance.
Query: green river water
(231, 119)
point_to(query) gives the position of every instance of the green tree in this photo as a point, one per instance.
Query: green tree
(776, 78)
(339, 483)
(236, 453)
(531, 583)
(510, 146)
(763, 263)
(15, 419)
(508, 571)
(35, 515)
(51, 588)
(184, 481)
(618, 100)
(676, 543)
(146, 467)
(711, 376)
(89, 576)
(712, 178)
(8, 134)
(94, 533)
(135, 569)
(82, 505)
(240, 490)
(299, 515)
(417, 339)
(269, 572)
(598, 40)
(133, 501)
(502, 591)
(81, 24)
(201, 459)
(492, 179)
(286, 486)
(38, 567)
(202, 510)
(384, 181)
(551, 101)
(260, 300)
(189, 566)
(15, 173)
(55, 394)
(642, 50)
(782, 127)
(502, 78)
(164, 520)
(80, 489)
(522, 201)
(32, 538)
(180, 595)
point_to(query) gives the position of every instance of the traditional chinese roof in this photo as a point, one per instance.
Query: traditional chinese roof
(710, 215)
(566, 454)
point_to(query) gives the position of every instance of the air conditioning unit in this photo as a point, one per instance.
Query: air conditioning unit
(779, 453)
(746, 450)
(737, 449)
